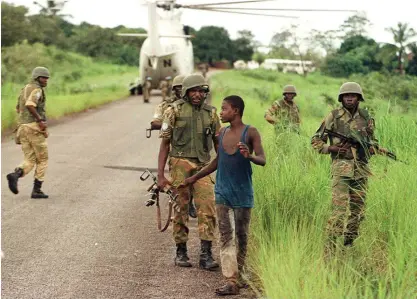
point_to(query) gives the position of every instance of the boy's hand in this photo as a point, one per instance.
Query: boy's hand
(187, 182)
(244, 150)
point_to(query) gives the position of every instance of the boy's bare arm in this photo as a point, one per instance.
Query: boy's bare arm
(256, 143)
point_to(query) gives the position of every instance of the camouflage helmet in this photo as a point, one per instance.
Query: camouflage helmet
(192, 81)
(289, 89)
(40, 71)
(178, 80)
(350, 87)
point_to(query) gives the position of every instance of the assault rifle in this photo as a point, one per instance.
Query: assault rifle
(362, 142)
(154, 191)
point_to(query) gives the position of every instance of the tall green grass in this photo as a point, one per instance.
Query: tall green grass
(77, 82)
(293, 196)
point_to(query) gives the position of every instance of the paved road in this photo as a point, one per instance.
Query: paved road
(94, 237)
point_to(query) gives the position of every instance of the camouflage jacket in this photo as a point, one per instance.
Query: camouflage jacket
(160, 109)
(31, 95)
(354, 164)
(192, 131)
(283, 112)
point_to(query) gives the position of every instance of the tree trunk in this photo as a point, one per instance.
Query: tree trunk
(400, 63)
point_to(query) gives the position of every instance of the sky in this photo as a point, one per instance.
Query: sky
(131, 13)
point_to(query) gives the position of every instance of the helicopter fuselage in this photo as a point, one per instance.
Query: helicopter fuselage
(166, 52)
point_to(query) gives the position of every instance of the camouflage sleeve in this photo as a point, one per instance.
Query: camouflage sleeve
(33, 98)
(371, 131)
(270, 114)
(159, 112)
(167, 123)
(319, 139)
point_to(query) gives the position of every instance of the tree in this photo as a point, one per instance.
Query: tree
(357, 54)
(103, 43)
(280, 45)
(280, 39)
(354, 42)
(290, 40)
(213, 43)
(244, 45)
(259, 57)
(324, 40)
(402, 35)
(355, 25)
(15, 26)
(412, 64)
(47, 31)
(342, 65)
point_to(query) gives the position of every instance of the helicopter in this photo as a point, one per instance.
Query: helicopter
(168, 51)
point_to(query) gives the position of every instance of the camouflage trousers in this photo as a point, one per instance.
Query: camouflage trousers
(348, 204)
(35, 151)
(164, 89)
(147, 88)
(234, 229)
(284, 127)
(203, 196)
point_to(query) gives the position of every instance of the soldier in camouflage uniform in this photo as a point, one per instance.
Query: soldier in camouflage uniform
(349, 164)
(203, 68)
(188, 133)
(156, 122)
(32, 132)
(147, 88)
(164, 86)
(285, 113)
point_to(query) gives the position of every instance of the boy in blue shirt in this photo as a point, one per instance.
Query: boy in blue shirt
(233, 189)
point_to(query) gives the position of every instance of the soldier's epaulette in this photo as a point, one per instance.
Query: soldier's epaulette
(176, 105)
(279, 102)
(31, 87)
(364, 113)
(338, 113)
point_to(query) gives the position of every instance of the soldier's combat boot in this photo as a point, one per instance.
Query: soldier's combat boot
(228, 289)
(191, 210)
(181, 258)
(12, 178)
(206, 259)
(349, 239)
(37, 192)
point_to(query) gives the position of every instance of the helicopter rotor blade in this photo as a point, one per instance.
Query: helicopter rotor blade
(285, 9)
(244, 13)
(222, 3)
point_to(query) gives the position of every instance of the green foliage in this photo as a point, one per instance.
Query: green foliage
(357, 54)
(402, 35)
(242, 49)
(47, 31)
(389, 87)
(412, 64)
(49, 28)
(354, 42)
(14, 25)
(342, 65)
(213, 44)
(76, 82)
(259, 57)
